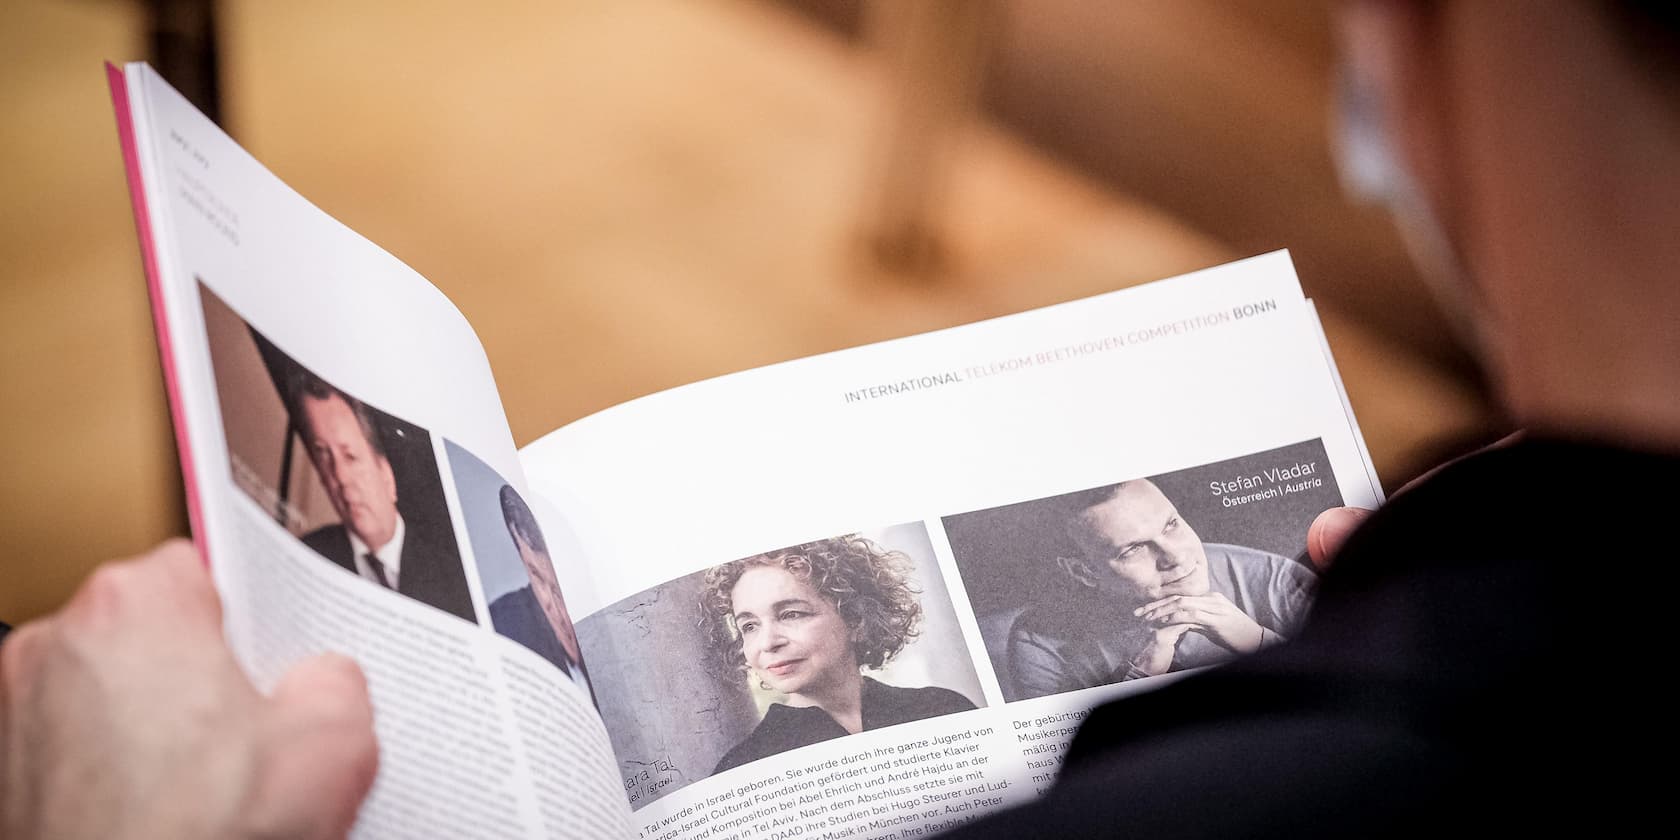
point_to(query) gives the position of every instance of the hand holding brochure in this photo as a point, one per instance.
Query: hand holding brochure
(869, 593)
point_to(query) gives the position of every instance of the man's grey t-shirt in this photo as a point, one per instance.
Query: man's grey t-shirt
(1090, 642)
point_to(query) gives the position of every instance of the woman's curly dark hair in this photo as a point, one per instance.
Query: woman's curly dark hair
(868, 585)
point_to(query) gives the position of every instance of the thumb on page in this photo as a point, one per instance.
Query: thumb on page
(320, 755)
(1329, 531)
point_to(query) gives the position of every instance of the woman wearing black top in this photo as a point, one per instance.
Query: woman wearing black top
(805, 621)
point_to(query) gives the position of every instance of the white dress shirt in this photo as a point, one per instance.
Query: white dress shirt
(389, 554)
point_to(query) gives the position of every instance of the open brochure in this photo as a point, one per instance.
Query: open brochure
(870, 593)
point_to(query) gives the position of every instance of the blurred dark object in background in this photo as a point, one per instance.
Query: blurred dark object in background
(181, 41)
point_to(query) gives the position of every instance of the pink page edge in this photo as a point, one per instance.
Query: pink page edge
(154, 287)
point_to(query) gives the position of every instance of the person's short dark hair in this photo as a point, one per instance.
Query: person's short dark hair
(309, 386)
(521, 523)
(868, 585)
(1075, 504)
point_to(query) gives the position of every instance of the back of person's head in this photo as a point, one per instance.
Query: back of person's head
(1074, 506)
(1530, 153)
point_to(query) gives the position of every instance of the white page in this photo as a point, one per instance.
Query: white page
(892, 442)
(1262, 383)
(257, 294)
(1376, 491)
(1162, 380)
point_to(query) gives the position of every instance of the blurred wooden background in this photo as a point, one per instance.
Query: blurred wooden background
(627, 196)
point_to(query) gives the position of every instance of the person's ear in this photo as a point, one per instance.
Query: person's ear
(1079, 570)
(388, 477)
(1391, 58)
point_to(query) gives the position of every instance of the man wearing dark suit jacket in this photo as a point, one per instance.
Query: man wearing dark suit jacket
(535, 615)
(371, 540)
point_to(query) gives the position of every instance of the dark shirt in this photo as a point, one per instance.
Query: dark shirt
(518, 616)
(1480, 659)
(790, 727)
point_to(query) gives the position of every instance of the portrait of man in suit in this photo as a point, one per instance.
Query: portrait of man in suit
(1153, 597)
(359, 486)
(371, 539)
(535, 615)
(1143, 577)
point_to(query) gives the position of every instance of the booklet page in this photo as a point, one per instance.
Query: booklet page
(873, 593)
(356, 489)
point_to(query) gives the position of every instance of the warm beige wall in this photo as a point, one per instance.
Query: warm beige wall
(84, 437)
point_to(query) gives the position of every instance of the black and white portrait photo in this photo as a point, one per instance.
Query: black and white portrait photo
(776, 651)
(1144, 576)
(358, 486)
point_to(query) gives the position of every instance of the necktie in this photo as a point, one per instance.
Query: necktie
(378, 569)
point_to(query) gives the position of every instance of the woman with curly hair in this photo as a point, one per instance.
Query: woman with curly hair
(805, 621)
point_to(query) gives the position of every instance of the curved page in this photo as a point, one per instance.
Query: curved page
(873, 592)
(355, 489)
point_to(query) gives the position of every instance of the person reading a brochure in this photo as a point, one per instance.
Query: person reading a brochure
(1464, 669)
(804, 621)
(1155, 598)
(535, 615)
(1481, 656)
(371, 539)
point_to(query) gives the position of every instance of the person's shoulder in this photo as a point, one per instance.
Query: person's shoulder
(511, 605)
(1487, 509)
(1190, 758)
(324, 535)
(432, 573)
(941, 701)
(1527, 473)
(1257, 574)
(733, 758)
(783, 728)
(419, 544)
(916, 703)
(513, 599)
(1244, 557)
(330, 541)
(749, 750)
(1049, 623)
(517, 615)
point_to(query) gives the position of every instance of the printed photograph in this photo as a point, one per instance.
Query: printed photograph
(516, 566)
(777, 651)
(1146, 576)
(356, 485)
